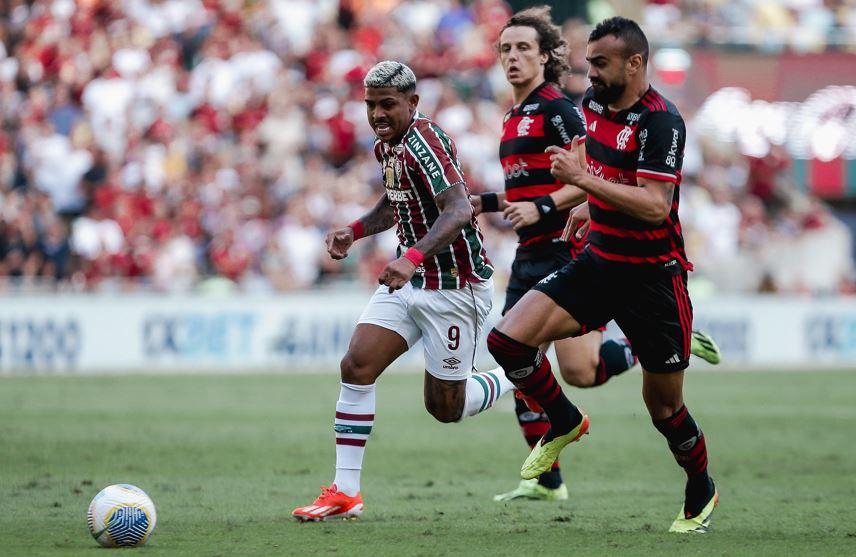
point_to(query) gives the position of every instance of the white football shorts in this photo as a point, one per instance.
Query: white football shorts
(449, 322)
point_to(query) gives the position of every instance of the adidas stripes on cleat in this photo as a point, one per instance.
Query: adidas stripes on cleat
(330, 504)
(703, 346)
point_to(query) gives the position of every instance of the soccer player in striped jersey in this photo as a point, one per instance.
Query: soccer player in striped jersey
(533, 55)
(439, 289)
(634, 268)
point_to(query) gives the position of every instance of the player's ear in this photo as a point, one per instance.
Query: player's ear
(413, 101)
(635, 64)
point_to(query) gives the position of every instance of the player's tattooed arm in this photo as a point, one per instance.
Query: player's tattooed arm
(455, 213)
(380, 218)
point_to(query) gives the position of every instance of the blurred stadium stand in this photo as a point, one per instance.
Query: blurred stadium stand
(183, 145)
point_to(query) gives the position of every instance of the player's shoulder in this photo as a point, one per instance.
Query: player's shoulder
(657, 108)
(425, 128)
(558, 104)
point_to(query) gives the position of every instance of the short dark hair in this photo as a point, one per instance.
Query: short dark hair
(550, 39)
(625, 29)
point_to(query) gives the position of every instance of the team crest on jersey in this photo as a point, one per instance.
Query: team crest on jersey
(623, 137)
(524, 125)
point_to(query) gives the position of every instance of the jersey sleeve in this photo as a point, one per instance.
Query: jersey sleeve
(661, 146)
(563, 121)
(434, 158)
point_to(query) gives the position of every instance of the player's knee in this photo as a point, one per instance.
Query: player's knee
(443, 413)
(354, 371)
(662, 405)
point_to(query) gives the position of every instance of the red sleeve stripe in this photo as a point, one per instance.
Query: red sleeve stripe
(581, 140)
(658, 234)
(654, 175)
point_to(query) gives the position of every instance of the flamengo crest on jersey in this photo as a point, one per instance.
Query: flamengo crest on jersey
(644, 141)
(421, 166)
(547, 117)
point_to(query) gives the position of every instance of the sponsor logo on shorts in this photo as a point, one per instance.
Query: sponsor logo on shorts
(549, 277)
(451, 363)
(675, 359)
(521, 373)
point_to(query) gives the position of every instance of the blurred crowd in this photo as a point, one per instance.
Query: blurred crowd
(186, 144)
(769, 25)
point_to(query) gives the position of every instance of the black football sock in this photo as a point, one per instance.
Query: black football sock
(686, 441)
(616, 357)
(530, 371)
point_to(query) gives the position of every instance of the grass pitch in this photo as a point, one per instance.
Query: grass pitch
(226, 458)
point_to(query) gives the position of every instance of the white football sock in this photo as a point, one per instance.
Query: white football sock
(484, 389)
(354, 419)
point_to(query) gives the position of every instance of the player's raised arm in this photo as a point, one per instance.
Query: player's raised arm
(379, 219)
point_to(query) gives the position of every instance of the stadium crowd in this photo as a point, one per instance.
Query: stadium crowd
(177, 143)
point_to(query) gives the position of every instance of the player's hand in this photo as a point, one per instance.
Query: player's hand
(397, 273)
(578, 223)
(521, 213)
(565, 164)
(339, 242)
(476, 202)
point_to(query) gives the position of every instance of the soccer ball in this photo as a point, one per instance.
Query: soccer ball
(121, 515)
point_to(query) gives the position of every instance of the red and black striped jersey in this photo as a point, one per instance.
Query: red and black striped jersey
(547, 117)
(644, 141)
(421, 166)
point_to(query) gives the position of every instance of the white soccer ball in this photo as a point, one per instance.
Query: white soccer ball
(121, 515)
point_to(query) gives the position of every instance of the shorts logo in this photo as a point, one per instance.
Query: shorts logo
(675, 359)
(521, 373)
(549, 277)
(451, 363)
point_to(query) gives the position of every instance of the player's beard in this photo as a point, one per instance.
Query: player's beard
(608, 94)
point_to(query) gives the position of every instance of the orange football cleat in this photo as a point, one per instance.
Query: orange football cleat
(330, 504)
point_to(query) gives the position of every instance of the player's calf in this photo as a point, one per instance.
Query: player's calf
(451, 401)
(529, 370)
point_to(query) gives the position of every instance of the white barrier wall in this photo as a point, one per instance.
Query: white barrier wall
(310, 332)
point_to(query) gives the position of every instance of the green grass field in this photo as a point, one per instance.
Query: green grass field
(226, 458)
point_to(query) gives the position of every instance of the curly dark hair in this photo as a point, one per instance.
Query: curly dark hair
(550, 39)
